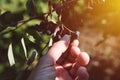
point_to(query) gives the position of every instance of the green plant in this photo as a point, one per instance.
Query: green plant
(28, 27)
(26, 33)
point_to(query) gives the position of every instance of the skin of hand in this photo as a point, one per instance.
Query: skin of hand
(72, 69)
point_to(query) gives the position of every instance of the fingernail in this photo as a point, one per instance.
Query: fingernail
(66, 38)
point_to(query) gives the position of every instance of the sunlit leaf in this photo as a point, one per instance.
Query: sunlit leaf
(10, 55)
(24, 47)
(53, 18)
(50, 42)
(42, 6)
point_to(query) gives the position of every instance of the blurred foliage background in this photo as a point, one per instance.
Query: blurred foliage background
(21, 45)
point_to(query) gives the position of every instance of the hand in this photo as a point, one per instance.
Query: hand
(72, 69)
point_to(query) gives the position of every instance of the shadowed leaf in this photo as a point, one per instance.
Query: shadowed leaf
(31, 8)
(10, 19)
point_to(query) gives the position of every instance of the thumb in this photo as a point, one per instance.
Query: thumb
(59, 47)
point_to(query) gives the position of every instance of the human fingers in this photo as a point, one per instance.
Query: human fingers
(75, 51)
(64, 58)
(82, 74)
(81, 60)
(59, 47)
(75, 42)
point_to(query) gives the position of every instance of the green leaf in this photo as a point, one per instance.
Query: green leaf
(33, 55)
(24, 47)
(0, 11)
(1, 68)
(10, 55)
(42, 6)
(31, 8)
